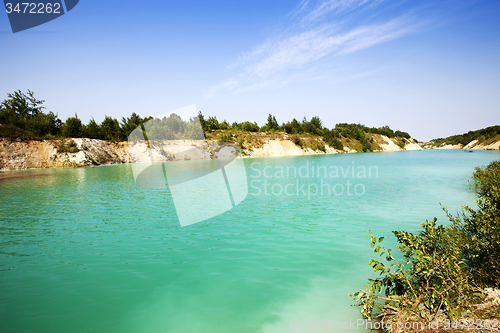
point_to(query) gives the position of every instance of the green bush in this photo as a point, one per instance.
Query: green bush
(365, 144)
(402, 134)
(70, 147)
(297, 140)
(13, 132)
(477, 231)
(428, 282)
(250, 127)
(320, 146)
(226, 137)
(441, 267)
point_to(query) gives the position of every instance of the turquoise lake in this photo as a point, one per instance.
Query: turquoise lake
(87, 250)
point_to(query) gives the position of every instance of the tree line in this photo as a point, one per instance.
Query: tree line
(23, 115)
(464, 139)
(313, 126)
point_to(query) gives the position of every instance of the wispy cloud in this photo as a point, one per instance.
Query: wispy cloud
(327, 36)
(226, 85)
(326, 7)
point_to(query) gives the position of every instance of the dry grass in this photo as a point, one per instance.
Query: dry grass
(486, 312)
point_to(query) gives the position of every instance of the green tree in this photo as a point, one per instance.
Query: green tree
(212, 124)
(193, 131)
(72, 128)
(110, 129)
(42, 124)
(330, 137)
(224, 125)
(296, 126)
(157, 129)
(131, 123)
(316, 124)
(92, 130)
(202, 121)
(23, 105)
(272, 123)
(249, 127)
(175, 123)
(26, 112)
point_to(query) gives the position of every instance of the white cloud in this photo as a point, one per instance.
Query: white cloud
(295, 52)
(334, 6)
(226, 85)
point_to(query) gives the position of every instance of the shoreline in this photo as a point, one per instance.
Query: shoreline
(43, 154)
(47, 154)
(6, 174)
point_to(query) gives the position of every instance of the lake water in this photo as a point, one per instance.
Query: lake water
(86, 250)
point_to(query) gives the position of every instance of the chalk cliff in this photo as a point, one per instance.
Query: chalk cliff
(30, 154)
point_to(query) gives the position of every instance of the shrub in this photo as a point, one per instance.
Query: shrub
(402, 134)
(437, 277)
(224, 125)
(321, 147)
(13, 132)
(477, 232)
(70, 147)
(250, 127)
(297, 140)
(212, 124)
(428, 282)
(337, 144)
(226, 137)
(365, 144)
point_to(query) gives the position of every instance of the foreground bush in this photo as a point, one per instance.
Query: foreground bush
(445, 272)
(477, 232)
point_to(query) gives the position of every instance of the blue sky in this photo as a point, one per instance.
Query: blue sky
(431, 68)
